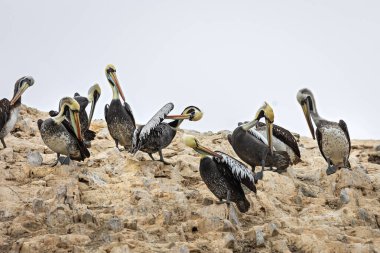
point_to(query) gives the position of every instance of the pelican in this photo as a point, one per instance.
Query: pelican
(62, 136)
(223, 175)
(253, 148)
(119, 117)
(93, 95)
(333, 138)
(9, 110)
(156, 135)
(283, 140)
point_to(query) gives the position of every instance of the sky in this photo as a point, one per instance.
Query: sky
(226, 57)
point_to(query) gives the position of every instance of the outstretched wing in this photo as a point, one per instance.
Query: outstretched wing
(129, 111)
(343, 125)
(142, 134)
(239, 171)
(5, 108)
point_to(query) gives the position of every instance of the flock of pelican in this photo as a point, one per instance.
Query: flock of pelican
(67, 132)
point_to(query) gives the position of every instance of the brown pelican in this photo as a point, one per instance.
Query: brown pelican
(9, 110)
(62, 136)
(283, 140)
(119, 117)
(223, 175)
(255, 149)
(156, 135)
(93, 95)
(333, 138)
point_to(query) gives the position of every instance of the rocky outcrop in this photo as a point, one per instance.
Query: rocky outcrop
(114, 202)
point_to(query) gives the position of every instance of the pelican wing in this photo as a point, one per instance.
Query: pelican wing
(239, 171)
(319, 140)
(5, 108)
(284, 136)
(142, 133)
(129, 111)
(343, 125)
(82, 147)
(106, 112)
(258, 136)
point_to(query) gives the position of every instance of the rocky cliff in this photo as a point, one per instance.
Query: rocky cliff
(114, 202)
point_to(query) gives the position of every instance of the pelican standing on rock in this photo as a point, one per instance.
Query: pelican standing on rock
(333, 138)
(93, 95)
(156, 135)
(62, 136)
(253, 148)
(119, 117)
(9, 110)
(283, 140)
(223, 175)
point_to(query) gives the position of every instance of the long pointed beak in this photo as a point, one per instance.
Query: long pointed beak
(182, 116)
(269, 135)
(306, 112)
(116, 82)
(203, 150)
(93, 104)
(76, 124)
(19, 93)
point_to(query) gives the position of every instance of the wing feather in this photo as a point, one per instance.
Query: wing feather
(239, 171)
(129, 111)
(5, 108)
(343, 125)
(82, 147)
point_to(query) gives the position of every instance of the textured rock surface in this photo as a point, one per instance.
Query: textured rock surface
(114, 202)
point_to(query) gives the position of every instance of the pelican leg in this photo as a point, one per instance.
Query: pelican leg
(117, 145)
(331, 169)
(259, 175)
(66, 161)
(162, 158)
(151, 156)
(3, 142)
(347, 163)
(56, 162)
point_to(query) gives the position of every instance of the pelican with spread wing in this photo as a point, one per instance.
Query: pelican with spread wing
(223, 174)
(156, 135)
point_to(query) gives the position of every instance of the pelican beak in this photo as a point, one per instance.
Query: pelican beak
(248, 125)
(75, 123)
(306, 112)
(205, 151)
(96, 98)
(22, 89)
(194, 116)
(113, 79)
(269, 135)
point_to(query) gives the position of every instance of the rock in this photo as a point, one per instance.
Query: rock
(374, 157)
(229, 241)
(115, 224)
(272, 229)
(377, 148)
(103, 134)
(38, 205)
(184, 249)
(120, 249)
(260, 241)
(26, 125)
(344, 198)
(34, 158)
(6, 155)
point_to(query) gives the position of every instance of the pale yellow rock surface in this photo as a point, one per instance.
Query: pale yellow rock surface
(114, 202)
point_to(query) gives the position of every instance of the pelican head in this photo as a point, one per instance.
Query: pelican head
(306, 99)
(93, 96)
(267, 113)
(191, 113)
(114, 82)
(20, 87)
(193, 143)
(71, 105)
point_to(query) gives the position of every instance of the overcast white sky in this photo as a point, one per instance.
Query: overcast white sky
(226, 57)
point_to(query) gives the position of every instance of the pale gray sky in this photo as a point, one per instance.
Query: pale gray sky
(226, 57)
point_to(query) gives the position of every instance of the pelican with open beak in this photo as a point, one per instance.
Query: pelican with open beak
(63, 136)
(119, 117)
(9, 110)
(253, 149)
(223, 175)
(157, 135)
(333, 138)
